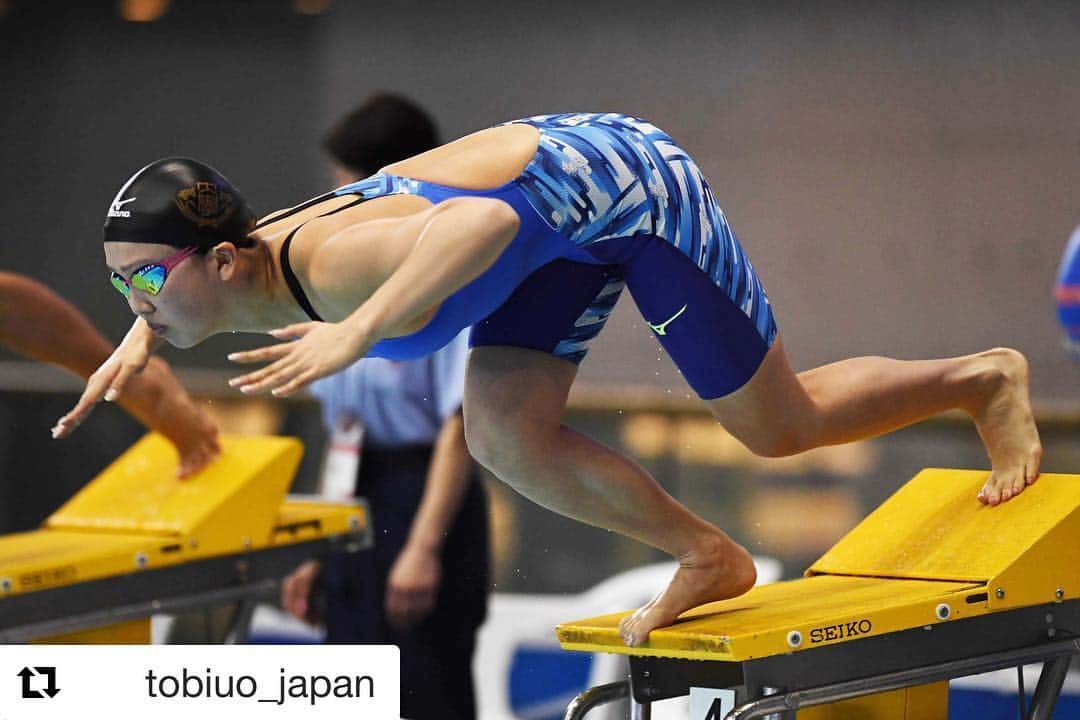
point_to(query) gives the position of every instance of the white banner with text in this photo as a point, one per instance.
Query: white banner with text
(167, 682)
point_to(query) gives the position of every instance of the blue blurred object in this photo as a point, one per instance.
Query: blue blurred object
(1067, 293)
(982, 704)
(543, 681)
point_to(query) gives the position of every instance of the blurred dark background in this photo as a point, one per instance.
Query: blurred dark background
(903, 176)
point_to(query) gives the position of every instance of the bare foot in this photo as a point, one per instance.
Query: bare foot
(1007, 426)
(721, 569)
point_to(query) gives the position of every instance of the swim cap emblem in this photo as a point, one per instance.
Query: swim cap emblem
(205, 204)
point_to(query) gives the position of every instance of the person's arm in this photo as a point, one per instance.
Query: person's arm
(297, 589)
(38, 323)
(413, 584)
(158, 400)
(455, 242)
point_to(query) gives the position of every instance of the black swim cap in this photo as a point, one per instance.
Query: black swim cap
(180, 202)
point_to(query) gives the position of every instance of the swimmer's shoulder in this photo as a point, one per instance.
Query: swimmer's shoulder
(334, 247)
(340, 268)
(479, 161)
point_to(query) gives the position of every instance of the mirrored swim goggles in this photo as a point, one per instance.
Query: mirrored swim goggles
(150, 278)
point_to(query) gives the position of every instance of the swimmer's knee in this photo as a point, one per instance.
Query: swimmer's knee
(502, 444)
(482, 444)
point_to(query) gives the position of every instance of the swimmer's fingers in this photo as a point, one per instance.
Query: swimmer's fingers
(286, 376)
(106, 383)
(67, 424)
(295, 331)
(296, 384)
(120, 381)
(275, 374)
(320, 350)
(277, 355)
(263, 354)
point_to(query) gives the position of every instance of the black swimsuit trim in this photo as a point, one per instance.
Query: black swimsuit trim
(291, 280)
(286, 269)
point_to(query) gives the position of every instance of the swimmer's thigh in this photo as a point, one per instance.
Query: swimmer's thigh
(525, 355)
(711, 339)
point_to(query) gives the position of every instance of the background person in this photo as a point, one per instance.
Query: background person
(423, 586)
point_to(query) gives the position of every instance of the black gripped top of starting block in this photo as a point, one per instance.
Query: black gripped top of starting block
(233, 571)
(657, 678)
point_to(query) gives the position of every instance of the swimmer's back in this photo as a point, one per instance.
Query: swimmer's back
(483, 160)
(480, 161)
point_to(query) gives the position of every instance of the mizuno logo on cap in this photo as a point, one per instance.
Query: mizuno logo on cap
(115, 211)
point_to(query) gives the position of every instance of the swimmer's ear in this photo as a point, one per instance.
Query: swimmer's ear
(224, 255)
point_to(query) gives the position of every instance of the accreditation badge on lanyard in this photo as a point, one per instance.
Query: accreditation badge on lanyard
(342, 460)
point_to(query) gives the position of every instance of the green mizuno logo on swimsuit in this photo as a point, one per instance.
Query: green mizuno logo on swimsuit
(661, 329)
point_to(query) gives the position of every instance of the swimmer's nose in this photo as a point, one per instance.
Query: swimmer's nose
(140, 305)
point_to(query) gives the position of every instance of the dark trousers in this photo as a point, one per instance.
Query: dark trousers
(436, 655)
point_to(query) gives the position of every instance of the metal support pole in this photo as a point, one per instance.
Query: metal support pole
(241, 624)
(599, 695)
(1049, 688)
(640, 711)
(769, 692)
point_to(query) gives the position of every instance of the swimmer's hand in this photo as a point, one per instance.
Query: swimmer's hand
(108, 381)
(315, 350)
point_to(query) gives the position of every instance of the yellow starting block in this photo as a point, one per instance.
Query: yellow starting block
(137, 540)
(932, 585)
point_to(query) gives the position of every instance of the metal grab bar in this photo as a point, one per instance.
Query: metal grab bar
(599, 695)
(906, 678)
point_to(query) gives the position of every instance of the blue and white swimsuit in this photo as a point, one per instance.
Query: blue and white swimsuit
(608, 200)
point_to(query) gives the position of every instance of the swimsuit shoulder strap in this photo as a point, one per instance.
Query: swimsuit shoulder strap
(286, 267)
(315, 201)
(364, 190)
(293, 210)
(292, 281)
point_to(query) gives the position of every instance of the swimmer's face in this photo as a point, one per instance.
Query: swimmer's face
(183, 309)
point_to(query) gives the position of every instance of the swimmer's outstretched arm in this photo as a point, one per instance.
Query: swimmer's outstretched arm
(155, 397)
(38, 323)
(108, 381)
(452, 243)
